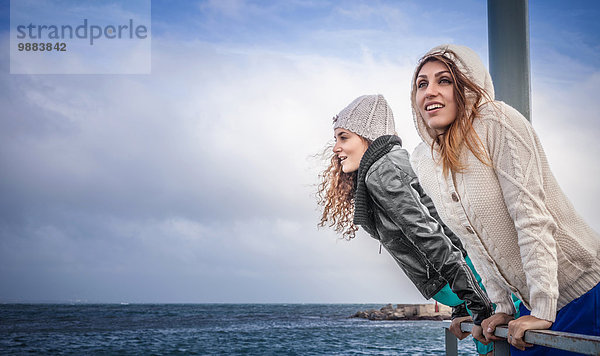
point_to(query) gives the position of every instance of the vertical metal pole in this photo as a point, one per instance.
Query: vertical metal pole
(508, 43)
(501, 348)
(451, 344)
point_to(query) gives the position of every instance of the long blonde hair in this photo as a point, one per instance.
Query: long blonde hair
(335, 194)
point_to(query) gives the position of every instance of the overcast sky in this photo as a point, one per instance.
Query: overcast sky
(196, 183)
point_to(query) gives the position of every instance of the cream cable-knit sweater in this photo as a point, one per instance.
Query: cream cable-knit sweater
(520, 230)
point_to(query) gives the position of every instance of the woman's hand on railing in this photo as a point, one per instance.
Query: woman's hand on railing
(517, 328)
(489, 325)
(455, 327)
(478, 334)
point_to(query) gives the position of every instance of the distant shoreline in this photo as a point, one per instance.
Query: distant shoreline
(407, 312)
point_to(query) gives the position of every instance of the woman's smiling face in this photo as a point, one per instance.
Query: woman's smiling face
(435, 96)
(349, 148)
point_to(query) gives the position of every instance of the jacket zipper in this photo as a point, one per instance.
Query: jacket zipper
(474, 284)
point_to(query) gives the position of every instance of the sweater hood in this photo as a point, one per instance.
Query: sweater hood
(468, 62)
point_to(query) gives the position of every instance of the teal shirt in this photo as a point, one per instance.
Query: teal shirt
(447, 297)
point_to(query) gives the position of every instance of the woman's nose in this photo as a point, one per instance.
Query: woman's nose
(431, 90)
(336, 148)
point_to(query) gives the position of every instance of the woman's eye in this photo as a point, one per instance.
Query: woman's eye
(422, 84)
(445, 81)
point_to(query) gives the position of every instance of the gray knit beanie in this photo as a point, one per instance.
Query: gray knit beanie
(368, 116)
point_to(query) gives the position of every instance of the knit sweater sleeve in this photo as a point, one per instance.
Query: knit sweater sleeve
(498, 293)
(517, 157)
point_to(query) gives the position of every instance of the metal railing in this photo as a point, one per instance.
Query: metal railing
(585, 344)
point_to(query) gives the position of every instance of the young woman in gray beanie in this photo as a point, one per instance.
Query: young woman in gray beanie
(370, 183)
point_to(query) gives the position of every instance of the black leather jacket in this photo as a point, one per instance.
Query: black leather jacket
(392, 207)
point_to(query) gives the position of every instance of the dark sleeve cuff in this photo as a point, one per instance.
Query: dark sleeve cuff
(480, 317)
(459, 311)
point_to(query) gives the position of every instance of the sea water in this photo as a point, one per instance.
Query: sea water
(213, 329)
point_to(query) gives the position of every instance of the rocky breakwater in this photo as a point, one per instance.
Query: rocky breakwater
(407, 312)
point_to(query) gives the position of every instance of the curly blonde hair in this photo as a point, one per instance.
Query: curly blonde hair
(335, 194)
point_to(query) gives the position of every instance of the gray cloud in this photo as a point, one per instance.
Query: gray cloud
(193, 184)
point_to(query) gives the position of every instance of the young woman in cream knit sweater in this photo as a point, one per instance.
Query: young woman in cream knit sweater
(484, 168)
